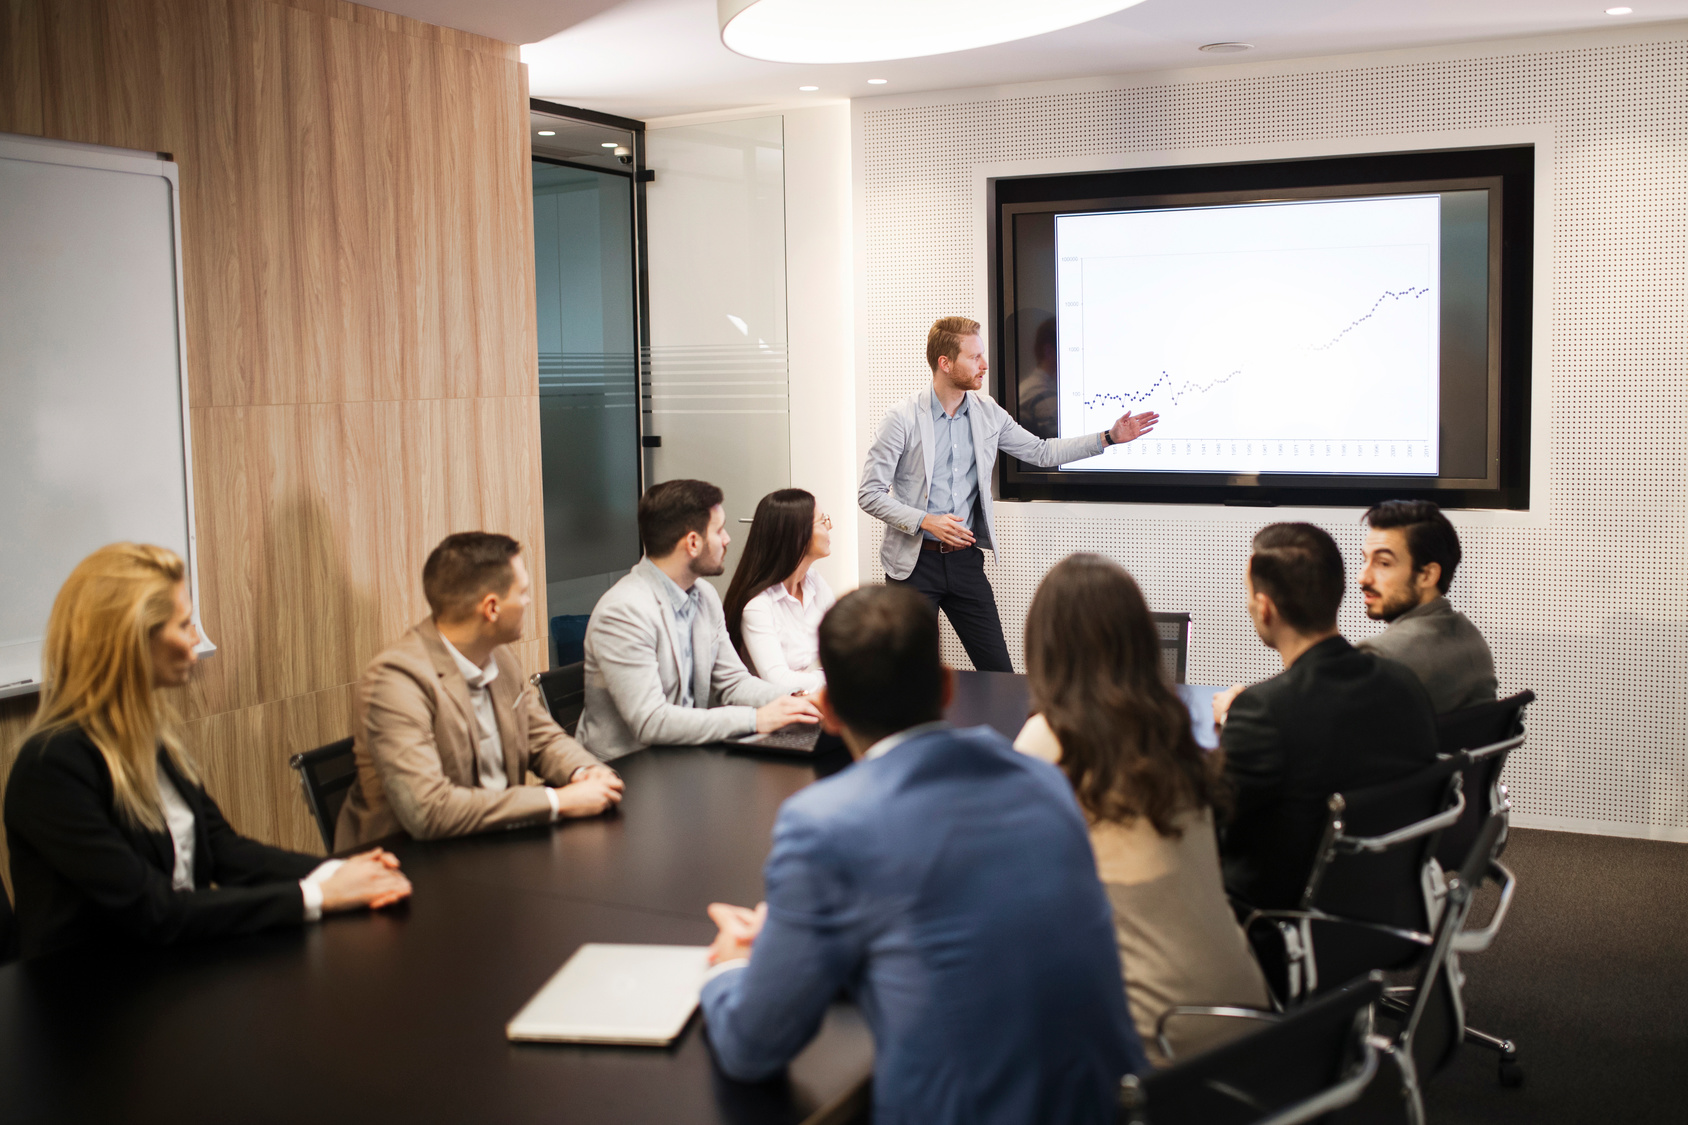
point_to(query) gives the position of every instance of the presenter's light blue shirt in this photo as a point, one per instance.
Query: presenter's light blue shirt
(685, 604)
(955, 471)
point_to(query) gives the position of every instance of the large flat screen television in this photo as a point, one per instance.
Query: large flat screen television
(1321, 332)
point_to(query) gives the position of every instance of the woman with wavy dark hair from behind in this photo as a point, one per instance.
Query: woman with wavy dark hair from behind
(1106, 715)
(776, 601)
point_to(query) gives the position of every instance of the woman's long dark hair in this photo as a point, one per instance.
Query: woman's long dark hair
(779, 535)
(1094, 662)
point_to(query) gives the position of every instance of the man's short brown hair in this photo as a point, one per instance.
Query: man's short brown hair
(1299, 567)
(668, 511)
(944, 340)
(879, 649)
(465, 568)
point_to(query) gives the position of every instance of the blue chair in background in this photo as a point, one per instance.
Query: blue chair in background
(568, 637)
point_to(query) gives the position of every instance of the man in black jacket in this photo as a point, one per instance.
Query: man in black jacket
(1334, 719)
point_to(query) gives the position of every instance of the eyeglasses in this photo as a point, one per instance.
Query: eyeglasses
(824, 520)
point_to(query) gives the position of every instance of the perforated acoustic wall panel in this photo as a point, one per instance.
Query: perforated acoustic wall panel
(1587, 605)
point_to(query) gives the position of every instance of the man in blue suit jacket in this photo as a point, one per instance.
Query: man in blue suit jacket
(943, 882)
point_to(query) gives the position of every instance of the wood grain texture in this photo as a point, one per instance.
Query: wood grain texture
(358, 271)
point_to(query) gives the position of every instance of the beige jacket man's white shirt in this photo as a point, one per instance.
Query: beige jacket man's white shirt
(417, 737)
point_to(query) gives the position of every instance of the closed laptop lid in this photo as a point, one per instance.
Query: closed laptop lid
(630, 994)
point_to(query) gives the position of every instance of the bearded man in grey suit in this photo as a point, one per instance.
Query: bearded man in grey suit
(1410, 555)
(660, 668)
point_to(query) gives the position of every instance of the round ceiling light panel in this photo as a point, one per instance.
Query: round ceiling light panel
(836, 31)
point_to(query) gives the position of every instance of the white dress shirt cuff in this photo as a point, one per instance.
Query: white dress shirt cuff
(726, 966)
(556, 802)
(311, 887)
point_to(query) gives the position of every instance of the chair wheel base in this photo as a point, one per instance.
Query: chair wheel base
(1511, 1074)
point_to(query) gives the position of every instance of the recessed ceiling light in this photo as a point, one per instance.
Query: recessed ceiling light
(832, 31)
(1619, 11)
(808, 89)
(1225, 48)
(606, 144)
(877, 81)
(548, 132)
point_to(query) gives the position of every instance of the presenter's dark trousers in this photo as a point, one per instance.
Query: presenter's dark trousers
(954, 582)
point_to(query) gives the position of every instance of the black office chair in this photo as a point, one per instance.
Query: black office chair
(1299, 1066)
(1373, 875)
(1174, 631)
(327, 774)
(564, 690)
(1486, 734)
(1429, 1015)
(8, 930)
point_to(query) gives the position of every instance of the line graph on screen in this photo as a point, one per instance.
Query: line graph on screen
(1269, 337)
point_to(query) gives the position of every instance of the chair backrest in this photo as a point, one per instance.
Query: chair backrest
(1488, 732)
(1316, 1059)
(1373, 868)
(8, 929)
(1174, 632)
(564, 690)
(327, 774)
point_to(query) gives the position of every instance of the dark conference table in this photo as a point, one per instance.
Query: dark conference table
(399, 1016)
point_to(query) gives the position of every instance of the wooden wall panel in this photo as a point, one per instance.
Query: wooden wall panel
(358, 270)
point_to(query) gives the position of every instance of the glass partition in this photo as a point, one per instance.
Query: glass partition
(585, 277)
(716, 392)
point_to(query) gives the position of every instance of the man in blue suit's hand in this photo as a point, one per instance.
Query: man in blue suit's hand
(946, 884)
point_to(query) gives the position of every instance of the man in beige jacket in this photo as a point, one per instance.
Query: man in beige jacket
(448, 727)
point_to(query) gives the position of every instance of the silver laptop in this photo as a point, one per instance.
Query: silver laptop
(631, 994)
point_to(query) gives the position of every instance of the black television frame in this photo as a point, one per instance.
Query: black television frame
(1509, 174)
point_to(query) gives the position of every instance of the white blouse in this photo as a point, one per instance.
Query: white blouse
(780, 633)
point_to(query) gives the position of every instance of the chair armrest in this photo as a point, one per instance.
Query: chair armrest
(1344, 1093)
(1222, 1011)
(1302, 916)
(1476, 941)
(1445, 819)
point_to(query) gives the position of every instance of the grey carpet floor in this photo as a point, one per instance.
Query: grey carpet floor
(1590, 977)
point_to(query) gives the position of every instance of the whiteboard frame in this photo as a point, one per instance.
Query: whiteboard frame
(40, 150)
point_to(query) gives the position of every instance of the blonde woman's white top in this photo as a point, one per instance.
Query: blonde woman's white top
(780, 633)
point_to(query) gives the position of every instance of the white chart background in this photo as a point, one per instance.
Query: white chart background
(1284, 337)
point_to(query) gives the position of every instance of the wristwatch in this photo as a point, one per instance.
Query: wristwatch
(1108, 438)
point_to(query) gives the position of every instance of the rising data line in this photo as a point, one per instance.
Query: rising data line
(1353, 324)
(1131, 398)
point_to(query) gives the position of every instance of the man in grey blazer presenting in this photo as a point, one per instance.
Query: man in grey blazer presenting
(660, 668)
(928, 479)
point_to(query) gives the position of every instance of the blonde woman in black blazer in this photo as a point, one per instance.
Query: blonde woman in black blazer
(113, 838)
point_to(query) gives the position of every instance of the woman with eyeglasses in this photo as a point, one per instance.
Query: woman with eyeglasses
(776, 601)
(114, 840)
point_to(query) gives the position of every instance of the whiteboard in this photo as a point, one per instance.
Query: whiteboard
(94, 444)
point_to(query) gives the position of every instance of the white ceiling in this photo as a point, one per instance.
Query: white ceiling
(652, 58)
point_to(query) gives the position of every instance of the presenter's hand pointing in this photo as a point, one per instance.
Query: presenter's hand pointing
(1130, 426)
(951, 532)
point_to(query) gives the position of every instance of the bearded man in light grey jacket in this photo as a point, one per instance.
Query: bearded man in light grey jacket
(660, 668)
(928, 479)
